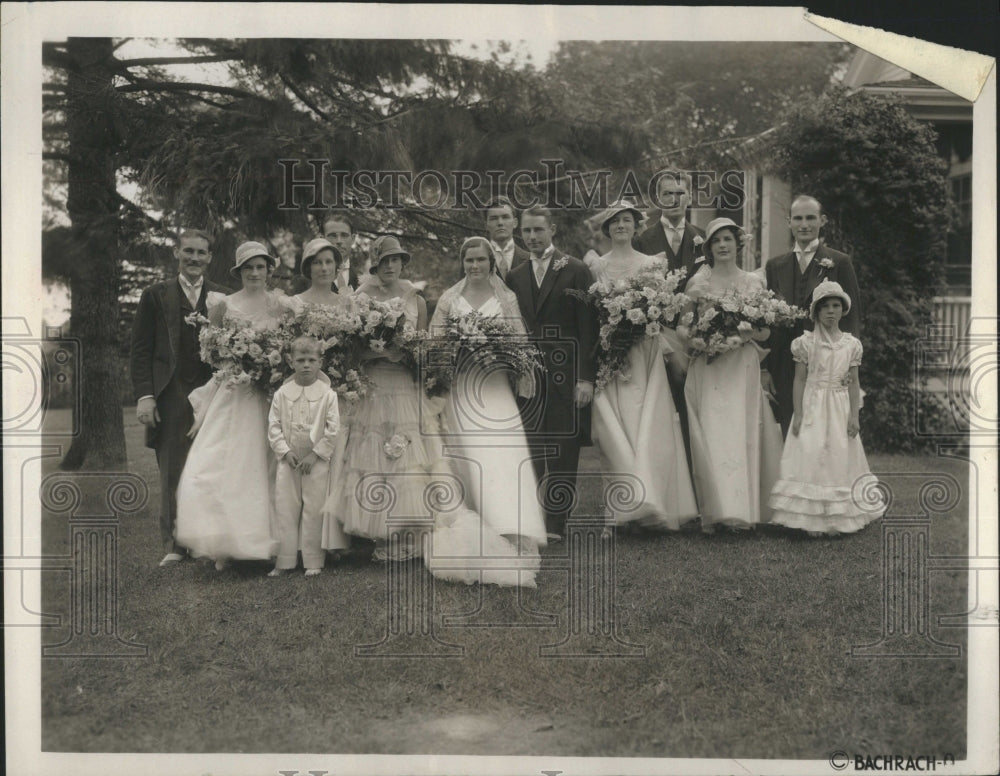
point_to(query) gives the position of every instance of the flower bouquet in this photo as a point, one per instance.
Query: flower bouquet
(241, 354)
(337, 330)
(628, 310)
(721, 323)
(474, 339)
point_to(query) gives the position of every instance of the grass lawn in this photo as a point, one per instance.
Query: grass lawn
(747, 643)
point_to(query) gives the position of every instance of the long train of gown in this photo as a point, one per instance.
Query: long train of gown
(735, 440)
(493, 538)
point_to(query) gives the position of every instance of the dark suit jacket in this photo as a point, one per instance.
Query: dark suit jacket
(785, 279)
(654, 240)
(156, 334)
(565, 330)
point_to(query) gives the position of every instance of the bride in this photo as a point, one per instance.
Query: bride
(494, 538)
(225, 496)
(635, 423)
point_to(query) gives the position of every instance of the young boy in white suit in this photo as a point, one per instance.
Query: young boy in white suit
(302, 424)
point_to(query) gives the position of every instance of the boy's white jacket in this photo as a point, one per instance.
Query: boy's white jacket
(321, 413)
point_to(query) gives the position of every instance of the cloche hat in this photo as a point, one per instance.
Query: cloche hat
(385, 246)
(251, 250)
(312, 249)
(825, 290)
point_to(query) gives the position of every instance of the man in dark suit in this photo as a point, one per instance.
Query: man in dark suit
(338, 229)
(672, 234)
(557, 419)
(680, 240)
(501, 221)
(166, 366)
(793, 276)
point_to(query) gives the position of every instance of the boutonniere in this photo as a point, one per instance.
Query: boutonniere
(698, 241)
(826, 263)
(559, 263)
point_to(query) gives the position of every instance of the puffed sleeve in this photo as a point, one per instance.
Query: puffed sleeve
(856, 351)
(216, 305)
(800, 349)
(698, 284)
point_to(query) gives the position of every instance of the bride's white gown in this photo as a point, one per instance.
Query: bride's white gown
(494, 537)
(225, 498)
(636, 427)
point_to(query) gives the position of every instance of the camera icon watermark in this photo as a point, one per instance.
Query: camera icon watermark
(39, 374)
(959, 366)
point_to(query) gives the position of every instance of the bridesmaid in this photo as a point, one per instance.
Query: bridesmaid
(735, 440)
(320, 265)
(635, 423)
(386, 446)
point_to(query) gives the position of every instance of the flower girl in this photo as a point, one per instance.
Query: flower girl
(825, 485)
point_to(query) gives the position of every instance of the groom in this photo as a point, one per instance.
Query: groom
(793, 276)
(557, 419)
(166, 365)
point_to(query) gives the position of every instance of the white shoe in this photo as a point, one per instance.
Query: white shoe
(171, 558)
(313, 572)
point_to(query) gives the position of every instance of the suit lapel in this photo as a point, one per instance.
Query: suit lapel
(172, 312)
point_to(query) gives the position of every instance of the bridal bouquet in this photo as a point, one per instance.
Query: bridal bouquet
(382, 324)
(337, 330)
(241, 354)
(474, 339)
(628, 310)
(721, 323)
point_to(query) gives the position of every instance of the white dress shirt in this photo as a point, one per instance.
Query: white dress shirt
(505, 257)
(540, 264)
(191, 290)
(805, 255)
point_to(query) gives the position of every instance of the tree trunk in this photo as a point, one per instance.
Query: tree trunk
(93, 212)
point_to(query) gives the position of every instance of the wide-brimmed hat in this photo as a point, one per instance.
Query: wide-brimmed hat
(251, 250)
(385, 246)
(621, 206)
(312, 249)
(825, 290)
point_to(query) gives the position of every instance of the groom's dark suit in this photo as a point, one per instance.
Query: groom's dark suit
(654, 240)
(565, 330)
(165, 363)
(786, 280)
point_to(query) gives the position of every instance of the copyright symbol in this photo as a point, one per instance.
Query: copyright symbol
(839, 761)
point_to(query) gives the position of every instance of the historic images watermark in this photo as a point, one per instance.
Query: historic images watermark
(311, 183)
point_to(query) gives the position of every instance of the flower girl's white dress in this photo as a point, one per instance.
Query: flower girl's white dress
(826, 485)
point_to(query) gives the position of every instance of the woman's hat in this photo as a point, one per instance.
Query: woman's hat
(312, 249)
(721, 223)
(385, 246)
(251, 250)
(621, 206)
(825, 290)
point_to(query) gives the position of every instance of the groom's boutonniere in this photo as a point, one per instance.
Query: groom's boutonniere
(826, 263)
(698, 241)
(559, 263)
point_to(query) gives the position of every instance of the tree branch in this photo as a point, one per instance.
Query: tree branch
(183, 86)
(302, 96)
(192, 60)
